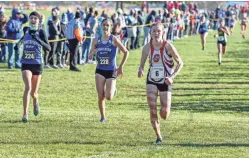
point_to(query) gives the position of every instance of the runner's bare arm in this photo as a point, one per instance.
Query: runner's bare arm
(173, 52)
(145, 53)
(93, 49)
(120, 46)
(227, 31)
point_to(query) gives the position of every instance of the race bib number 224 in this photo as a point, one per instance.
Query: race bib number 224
(29, 55)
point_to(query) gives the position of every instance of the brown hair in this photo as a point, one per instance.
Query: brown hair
(156, 24)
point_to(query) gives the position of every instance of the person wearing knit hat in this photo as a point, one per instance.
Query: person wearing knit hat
(35, 13)
(33, 40)
(14, 32)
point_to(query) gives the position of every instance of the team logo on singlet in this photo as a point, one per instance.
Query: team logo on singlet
(156, 58)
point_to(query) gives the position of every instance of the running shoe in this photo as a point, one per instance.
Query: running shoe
(158, 141)
(47, 67)
(25, 118)
(54, 66)
(60, 66)
(36, 109)
(102, 120)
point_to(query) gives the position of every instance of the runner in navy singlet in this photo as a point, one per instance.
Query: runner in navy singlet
(106, 48)
(203, 31)
(33, 40)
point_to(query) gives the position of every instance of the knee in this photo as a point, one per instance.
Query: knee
(27, 89)
(153, 112)
(101, 98)
(108, 96)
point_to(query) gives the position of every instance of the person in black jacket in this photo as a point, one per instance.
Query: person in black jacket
(149, 20)
(53, 35)
(46, 52)
(139, 29)
(65, 47)
(59, 47)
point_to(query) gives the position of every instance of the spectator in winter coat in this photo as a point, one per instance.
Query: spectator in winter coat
(3, 46)
(14, 32)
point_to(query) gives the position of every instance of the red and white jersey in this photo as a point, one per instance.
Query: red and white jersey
(161, 64)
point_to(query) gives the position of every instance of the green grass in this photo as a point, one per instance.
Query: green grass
(209, 115)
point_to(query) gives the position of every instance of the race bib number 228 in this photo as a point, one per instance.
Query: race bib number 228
(104, 61)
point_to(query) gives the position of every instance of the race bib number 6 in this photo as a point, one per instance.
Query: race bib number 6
(157, 72)
(29, 55)
(104, 61)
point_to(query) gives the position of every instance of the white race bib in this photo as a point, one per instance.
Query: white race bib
(104, 60)
(157, 73)
(221, 38)
(29, 55)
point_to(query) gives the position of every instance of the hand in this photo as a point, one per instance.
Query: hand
(15, 47)
(18, 30)
(67, 44)
(140, 73)
(120, 71)
(33, 35)
(169, 81)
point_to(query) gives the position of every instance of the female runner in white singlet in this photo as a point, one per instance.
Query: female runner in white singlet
(160, 75)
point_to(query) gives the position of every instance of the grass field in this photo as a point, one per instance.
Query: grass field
(209, 115)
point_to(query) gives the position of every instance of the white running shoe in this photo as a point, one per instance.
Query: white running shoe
(54, 66)
(25, 118)
(60, 66)
(47, 67)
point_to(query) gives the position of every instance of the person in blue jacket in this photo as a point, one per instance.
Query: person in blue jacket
(14, 32)
(33, 40)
